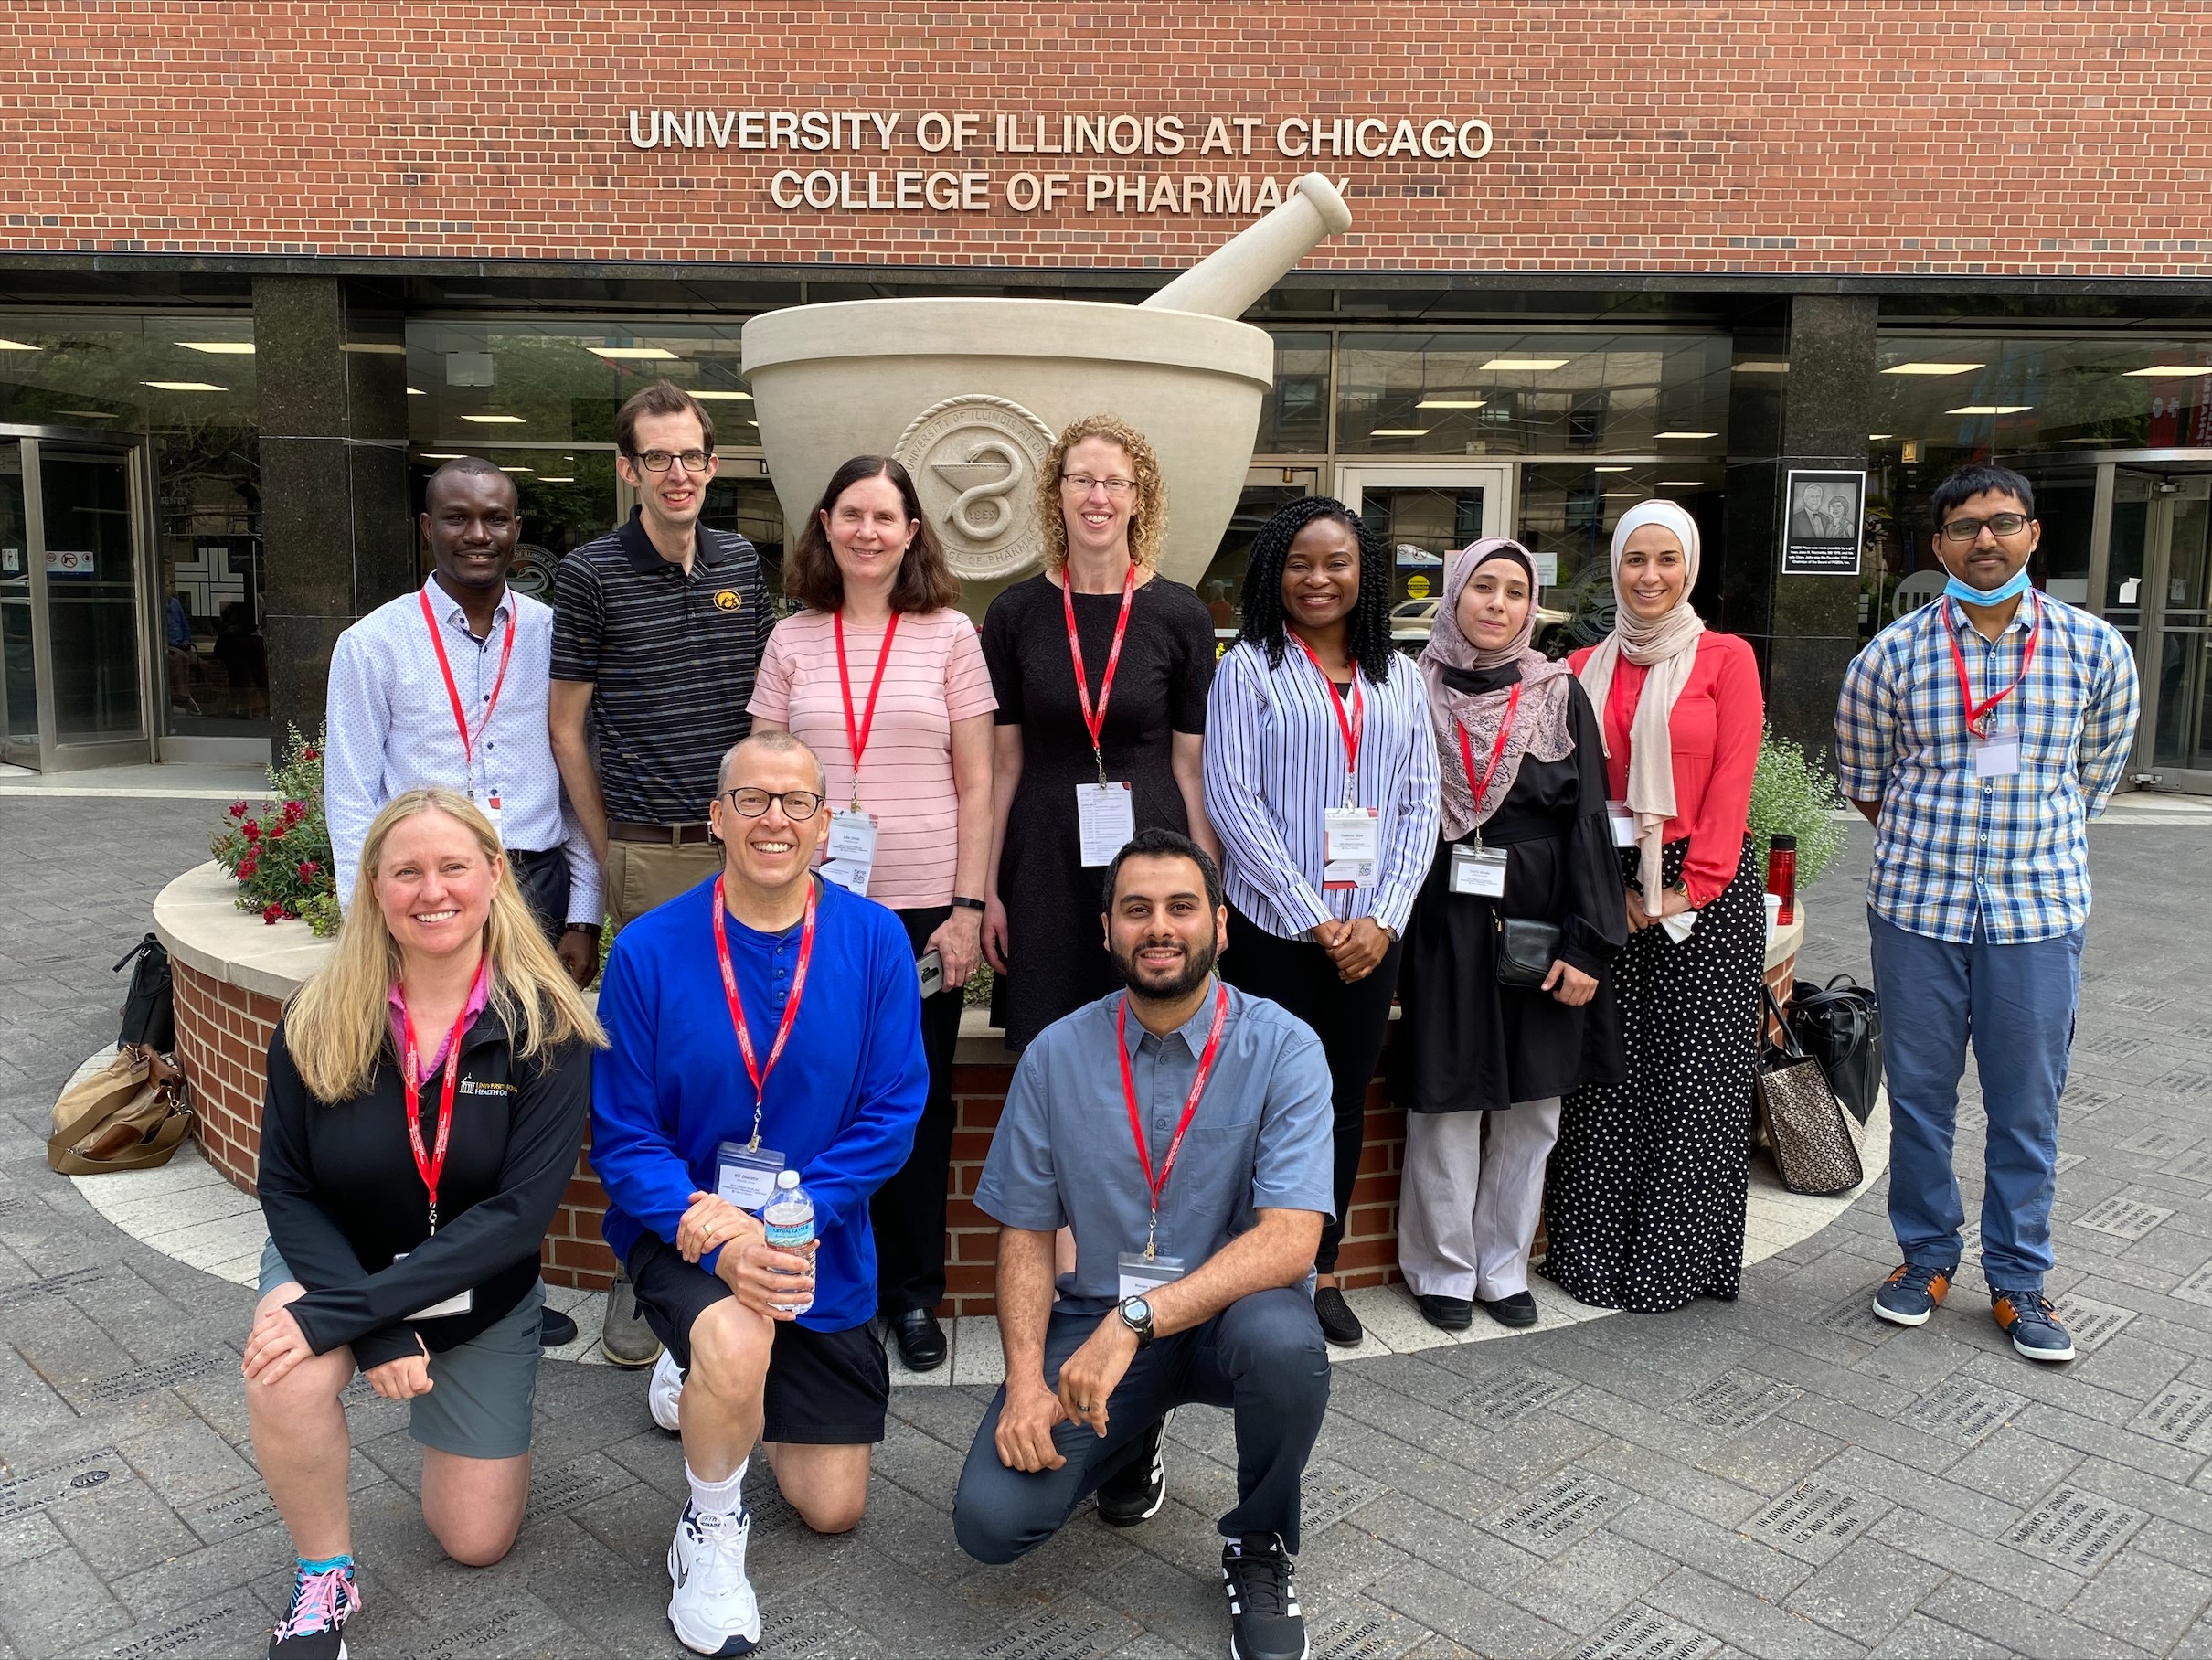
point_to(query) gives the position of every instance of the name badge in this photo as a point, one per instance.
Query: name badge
(488, 804)
(746, 1177)
(1141, 1278)
(1351, 846)
(1997, 755)
(1106, 820)
(1624, 823)
(852, 850)
(459, 1303)
(1478, 870)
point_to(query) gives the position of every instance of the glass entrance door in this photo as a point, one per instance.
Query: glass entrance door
(1423, 513)
(2158, 592)
(71, 613)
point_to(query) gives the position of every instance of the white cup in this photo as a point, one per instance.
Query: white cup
(1773, 911)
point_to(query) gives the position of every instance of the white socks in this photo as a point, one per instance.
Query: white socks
(725, 1497)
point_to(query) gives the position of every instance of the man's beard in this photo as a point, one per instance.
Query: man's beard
(1197, 964)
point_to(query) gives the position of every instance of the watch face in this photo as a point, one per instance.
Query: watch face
(1137, 1312)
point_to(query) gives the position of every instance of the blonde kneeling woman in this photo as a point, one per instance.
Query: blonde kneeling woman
(413, 1256)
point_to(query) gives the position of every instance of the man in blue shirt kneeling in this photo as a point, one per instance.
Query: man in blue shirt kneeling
(765, 1020)
(1184, 1132)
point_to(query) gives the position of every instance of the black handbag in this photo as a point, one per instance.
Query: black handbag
(1527, 949)
(1840, 1026)
(149, 1009)
(1816, 1141)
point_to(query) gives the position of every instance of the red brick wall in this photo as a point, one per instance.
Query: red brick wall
(222, 1043)
(1875, 135)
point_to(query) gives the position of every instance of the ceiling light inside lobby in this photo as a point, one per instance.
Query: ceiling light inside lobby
(1990, 409)
(19, 345)
(219, 348)
(1762, 368)
(497, 421)
(1530, 365)
(1933, 369)
(2171, 370)
(549, 478)
(1452, 403)
(184, 386)
(518, 469)
(1686, 435)
(716, 397)
(633, 353)
(1398, 432)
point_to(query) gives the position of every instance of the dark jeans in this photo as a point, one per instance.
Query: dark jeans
(909, 1210)
(543, 880)
(1352, 1021)
(1261, 1357)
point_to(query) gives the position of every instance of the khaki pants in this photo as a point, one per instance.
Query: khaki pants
(642, 875)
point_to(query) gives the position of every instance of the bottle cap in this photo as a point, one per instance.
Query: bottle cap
(1782, 843)
(787, 1178)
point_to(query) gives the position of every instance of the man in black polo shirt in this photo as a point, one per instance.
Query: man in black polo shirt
(657, 630)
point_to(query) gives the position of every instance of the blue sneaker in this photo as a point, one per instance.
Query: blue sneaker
(2032, 1324)
(1911, 1294)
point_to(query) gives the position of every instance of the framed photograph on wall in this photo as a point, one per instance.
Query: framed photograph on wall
(1822, 514)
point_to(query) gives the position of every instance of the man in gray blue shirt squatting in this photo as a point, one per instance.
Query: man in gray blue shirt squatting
(1228, 1190)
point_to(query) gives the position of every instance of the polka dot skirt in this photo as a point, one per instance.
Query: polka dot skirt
(1644, 1198)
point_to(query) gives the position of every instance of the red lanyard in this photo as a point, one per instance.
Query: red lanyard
(1498, 750)
(856, 731)
(1350, 726)
(753, 1069)
(453, 691)
(430, 1165)
(1094, 720)
(1978, 714)
(1156, 1186)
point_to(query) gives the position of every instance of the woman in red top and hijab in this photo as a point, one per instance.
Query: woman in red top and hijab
(1645, 1201)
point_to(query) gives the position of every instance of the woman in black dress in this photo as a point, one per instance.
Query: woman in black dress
(1134, 723)
(1482, 1066)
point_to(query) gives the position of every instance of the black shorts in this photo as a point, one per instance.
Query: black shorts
(824, 1389)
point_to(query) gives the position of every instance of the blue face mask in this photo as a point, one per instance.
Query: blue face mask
(1967, 595)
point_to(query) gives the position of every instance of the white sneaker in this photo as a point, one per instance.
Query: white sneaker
(664, 1394)
(714, 1610)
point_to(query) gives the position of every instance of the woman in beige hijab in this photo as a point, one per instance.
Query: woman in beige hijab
(1644, 1199)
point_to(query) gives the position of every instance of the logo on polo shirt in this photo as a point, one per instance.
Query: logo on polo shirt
(475, 1086)
(728, 599)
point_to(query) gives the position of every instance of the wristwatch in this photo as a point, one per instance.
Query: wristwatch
(583, 928)
(960, 903)
(1136, 1314)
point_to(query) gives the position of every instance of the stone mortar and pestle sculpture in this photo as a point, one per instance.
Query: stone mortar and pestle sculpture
(970, 394)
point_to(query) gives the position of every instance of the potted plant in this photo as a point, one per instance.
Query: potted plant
(1792, 794)
(281, 856)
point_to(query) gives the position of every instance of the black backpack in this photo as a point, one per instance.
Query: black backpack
(149, 1009)
(1840, 1026)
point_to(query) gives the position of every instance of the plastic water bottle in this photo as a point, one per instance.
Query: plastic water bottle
(789, 1221)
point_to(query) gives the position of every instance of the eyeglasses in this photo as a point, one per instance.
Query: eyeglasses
(657, 460)
(1997, 524)
(1082, 484)
(799, 805)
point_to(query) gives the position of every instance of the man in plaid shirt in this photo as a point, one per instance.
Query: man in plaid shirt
(1980, 734)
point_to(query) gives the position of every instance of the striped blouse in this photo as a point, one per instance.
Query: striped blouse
(1274, 764)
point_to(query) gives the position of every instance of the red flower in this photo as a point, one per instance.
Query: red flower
(307, 871)
(272, 914)
(238, 809)
(293, 813)
(250, 831)
(247, 866)
(309, 754)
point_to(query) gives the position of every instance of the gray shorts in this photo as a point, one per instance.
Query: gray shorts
(481, 1390)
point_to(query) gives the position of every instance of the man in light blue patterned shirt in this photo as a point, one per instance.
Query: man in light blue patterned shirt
(1980, 734)
(392, 724)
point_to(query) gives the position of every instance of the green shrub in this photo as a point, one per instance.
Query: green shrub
(1792, 796)
(281, 856)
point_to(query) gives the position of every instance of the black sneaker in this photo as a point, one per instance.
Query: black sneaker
(1517, 1310)
(321, 1605)
(1339, 1324)
(1264, 1622)
(1135, 1492)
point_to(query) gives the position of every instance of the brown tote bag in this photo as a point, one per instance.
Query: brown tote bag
(128, 1116)
(1814, 1140)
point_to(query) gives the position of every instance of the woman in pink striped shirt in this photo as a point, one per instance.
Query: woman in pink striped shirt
(884, 681)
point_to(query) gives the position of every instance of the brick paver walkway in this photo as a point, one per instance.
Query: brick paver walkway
(1782, 1477)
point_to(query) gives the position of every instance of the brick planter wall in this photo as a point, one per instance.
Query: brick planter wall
(222, 1039)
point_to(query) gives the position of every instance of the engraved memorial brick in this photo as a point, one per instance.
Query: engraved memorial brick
(158, 1375)
(2122, 1217)
(1511, 1396)
(2195, 1165)
(1053, 1636)
(2075, 1529)
(2196, 1286)
(1333, 1492)
(589, 1478)
(1553, 1517)
(209, 1632)
(25, 1492)
(1641, 1634)
(228, 1514)
(1962, 1410)
(2115, 1043)
(2184, 1081)
(2081, 1099)
(1735, 1401)
(2182, 1414)
(2067, 1161)
(2093, 1324)
(2161, 1141)
(1817, 1518)
(1365, 1635)
(2141, 1002)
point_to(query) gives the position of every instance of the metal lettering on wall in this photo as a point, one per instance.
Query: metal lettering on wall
(1229, 142)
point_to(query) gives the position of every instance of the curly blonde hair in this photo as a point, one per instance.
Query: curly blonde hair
(1148, 516)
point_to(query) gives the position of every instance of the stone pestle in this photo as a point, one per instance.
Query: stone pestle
(1227, 282)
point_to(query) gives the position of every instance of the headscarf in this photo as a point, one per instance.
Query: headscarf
(1667, 647)
(1540, 722)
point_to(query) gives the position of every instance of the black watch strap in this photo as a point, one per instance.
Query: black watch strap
(960, 903)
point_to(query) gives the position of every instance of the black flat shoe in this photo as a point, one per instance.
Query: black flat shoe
(555, 1329)
(921, 1340)
(1519, 1310)
(1447, 1314)
(1339, 1324)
